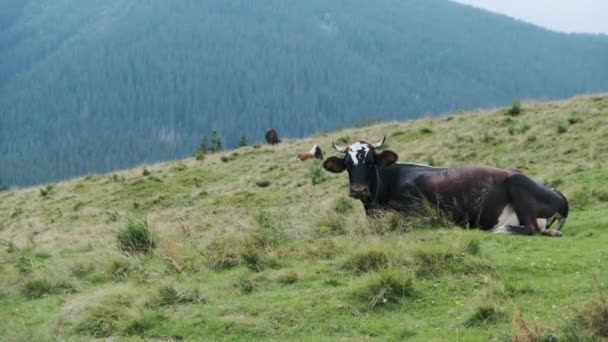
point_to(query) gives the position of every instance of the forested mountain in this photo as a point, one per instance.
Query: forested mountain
(90, 86)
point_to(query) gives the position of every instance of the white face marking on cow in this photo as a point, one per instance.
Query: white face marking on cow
(314, 149)
(358, 151)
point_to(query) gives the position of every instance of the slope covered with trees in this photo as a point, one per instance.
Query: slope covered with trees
(92, 86)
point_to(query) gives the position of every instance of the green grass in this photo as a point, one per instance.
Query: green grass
(297, 259)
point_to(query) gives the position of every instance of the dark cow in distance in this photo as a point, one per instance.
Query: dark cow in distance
(272, 137)
(503, 201)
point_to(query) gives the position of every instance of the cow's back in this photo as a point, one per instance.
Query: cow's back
(473, 196)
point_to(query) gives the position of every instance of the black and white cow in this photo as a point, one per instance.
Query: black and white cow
(504, 201)
(315, 153)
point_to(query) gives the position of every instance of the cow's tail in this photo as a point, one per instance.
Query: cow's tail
(563, 215)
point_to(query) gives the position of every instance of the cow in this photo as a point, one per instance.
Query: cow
(272, 137)
(315, 152)
(502, 201)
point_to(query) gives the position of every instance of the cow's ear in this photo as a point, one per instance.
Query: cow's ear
(334, 164)
(386, 158)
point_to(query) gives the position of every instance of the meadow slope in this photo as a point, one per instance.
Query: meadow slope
(260, 252)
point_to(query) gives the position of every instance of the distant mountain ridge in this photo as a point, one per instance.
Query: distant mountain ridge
(93, 86)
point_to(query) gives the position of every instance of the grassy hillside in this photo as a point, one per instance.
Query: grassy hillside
(259, 252)
(93, 86)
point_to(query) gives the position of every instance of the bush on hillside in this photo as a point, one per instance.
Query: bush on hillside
(515, 109)
(39, 286)
(343, 205)
(135, 237)
(224, 252)
(174, 295)
(388, 287)
(483, 315)
(368, 261)
(316, 174)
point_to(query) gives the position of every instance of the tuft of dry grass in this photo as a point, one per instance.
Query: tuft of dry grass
(386, 288)
(368, 261)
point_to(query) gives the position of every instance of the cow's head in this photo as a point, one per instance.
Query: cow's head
(362, 162)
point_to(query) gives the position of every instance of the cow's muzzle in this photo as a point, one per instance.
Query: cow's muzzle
(360, 191)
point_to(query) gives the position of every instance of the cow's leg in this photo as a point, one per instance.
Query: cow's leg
(551, 220)
(521, 230)
(521, 196)
(545, 230)
(552, 232)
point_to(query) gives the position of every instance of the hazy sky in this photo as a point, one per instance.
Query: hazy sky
(561, 15)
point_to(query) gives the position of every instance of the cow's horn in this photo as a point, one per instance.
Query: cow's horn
(338, 148)
(380, 143)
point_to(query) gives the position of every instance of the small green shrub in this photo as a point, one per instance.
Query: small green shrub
(117, 179)
(39, 286)
(315, 172)
(344, 140)
(254, 259)
(426, 130)
(332, 225)
(268, 232)
(368, 261)
(520, 129)
(488, 139)
(99, 322)
(180, 166)
(472, 247)
(121, 268)
(155, 179)
(556, 182)
(385, 222)
(112, 216)
(483, 315)
(141, 323)
(581, 199)
(145, 172)
(288, 277)
(173, 295)
(594, 317)
(24, 263)
(200, 155)
(135, 237)
(388, 287)
(223, 252)
(600, 194)
(561, 129)
(263, 183)
(82, 269)
(574, 120)
(44, 192)
(245, 285)
(343, 205)
(321, 249)
(457, 258)
(515, 109)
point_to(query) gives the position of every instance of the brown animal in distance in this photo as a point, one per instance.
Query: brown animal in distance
(315, 152)
(272, 137)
